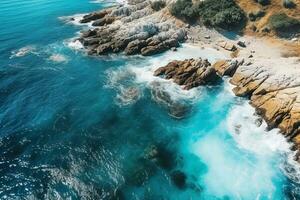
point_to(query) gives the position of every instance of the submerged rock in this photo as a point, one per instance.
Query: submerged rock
(177, 109)
(161, 156)
(179, 179)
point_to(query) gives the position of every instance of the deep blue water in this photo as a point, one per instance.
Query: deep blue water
(79, 127)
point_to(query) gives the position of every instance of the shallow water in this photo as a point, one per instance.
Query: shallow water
(79, 127)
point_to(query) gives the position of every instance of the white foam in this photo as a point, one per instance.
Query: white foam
(59, 58)
(75, 20)
(74, 44)
(23, 51)
(122, 2)
(144, 72)
(242, 124)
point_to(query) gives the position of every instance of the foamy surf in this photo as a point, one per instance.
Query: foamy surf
(23, 51)
(74, 44)
(144, 71)
(112, 2)
(250, 132)
(75, 20)
(58, 58)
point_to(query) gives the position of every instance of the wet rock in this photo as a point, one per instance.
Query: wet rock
(258, 122)
(176, 109)
(128, 95)
(237, 129)
(179, 111)
(179, 179)
(94, 16)
(275, 96)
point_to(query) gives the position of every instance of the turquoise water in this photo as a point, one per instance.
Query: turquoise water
(79, 127)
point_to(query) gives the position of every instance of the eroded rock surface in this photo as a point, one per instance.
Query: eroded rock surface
(273, 86)
(274, 91)
(189, 73)
(134, 28)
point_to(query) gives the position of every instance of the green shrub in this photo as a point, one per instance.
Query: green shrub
(224, 14)
(184, 9)
(289, 4)
(284, 25)
(158, 5)
(253, 16)
(263, 2)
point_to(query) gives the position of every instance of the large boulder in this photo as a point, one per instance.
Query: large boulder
(189, 73)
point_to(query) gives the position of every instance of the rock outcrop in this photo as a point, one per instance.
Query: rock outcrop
(134, 28)
(189, 73)
(272, 89)
(274, 92)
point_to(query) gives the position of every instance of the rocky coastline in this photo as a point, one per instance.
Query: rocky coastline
(133, 29)
(270, 83)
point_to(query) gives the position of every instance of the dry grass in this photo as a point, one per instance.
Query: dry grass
(291, 48)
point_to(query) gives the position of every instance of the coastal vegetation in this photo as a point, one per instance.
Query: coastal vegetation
(185, 9)
(253, 16)
(263, 2)
(158, 5)
(225, 14)
(289, 4)
(284, 25)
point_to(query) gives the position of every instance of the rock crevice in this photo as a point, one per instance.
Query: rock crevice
(134, 29)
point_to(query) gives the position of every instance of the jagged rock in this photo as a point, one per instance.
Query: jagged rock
(89, 33)
(135, 47)
(227, 68)
(274, 96)
(104, 49)
(94, 16)
(134, 28)
(190, 73)
(104, 21)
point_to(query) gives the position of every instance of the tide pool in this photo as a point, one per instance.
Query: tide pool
(80, 127)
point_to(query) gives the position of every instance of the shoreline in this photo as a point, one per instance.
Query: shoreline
(261, 77)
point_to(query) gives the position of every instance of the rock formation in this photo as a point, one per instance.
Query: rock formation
(134, 28)
(190, 73)
(272, 90)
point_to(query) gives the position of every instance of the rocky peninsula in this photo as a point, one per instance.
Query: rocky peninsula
(262, 68)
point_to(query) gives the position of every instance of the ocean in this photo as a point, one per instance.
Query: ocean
(79, 127)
